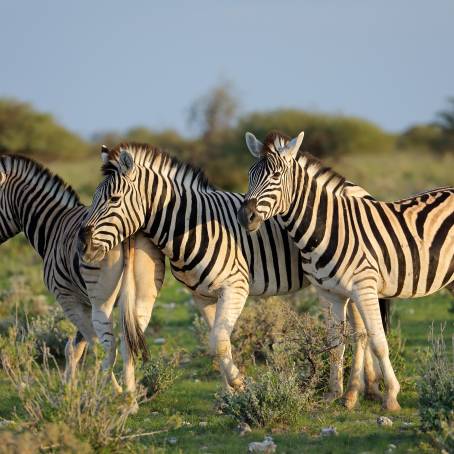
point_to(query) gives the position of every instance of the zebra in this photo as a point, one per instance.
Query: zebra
(48, 211)
(195, 226)
(352, 247)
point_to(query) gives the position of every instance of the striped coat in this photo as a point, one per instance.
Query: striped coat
(357, 248)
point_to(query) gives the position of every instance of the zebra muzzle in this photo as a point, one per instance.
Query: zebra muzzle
(87, 249)
(248, 216)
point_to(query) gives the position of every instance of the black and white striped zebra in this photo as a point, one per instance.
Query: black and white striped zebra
(195, 226)
(49, 213)
(357, 248)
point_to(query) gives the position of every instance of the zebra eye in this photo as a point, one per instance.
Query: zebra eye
(276, 175)
(115, 198)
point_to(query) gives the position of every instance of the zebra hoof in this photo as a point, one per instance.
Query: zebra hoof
(238, 384)
(391, 404)
(350, 400)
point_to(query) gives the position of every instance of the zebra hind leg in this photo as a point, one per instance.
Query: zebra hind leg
(367, 303)
(334, 309)
(228, 309)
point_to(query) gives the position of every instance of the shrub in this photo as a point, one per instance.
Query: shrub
(53, 437)
(436, 393)
(88, 406)
(273, 398)
(51, 332)
(159, 374)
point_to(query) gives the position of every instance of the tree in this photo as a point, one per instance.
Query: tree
(215, 111)
(445, 121)
(26, 131)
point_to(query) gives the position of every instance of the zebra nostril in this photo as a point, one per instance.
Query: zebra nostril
(85, 233)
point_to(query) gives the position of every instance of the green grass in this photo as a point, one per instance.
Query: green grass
(191, 399)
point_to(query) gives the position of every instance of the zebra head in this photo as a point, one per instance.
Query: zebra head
(10, 224)
(270, 178)
(116, 212)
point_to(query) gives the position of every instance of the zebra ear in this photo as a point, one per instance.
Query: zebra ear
(126, 162)
(292, 147)
(254, 145)
(104, 154)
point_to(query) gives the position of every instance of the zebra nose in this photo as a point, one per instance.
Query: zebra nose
(84, 237)
(248, 216)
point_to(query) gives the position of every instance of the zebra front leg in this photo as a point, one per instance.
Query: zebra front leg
(103, 285)
(74, 350)
(80, 315)
(228, 309)
(367, 302)
(102, 322)
(148, 270)
(334, 309)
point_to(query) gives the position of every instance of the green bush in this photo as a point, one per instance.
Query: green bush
(24, 130)
(159, 374)
(436, 393)
(51, 437)
(88, 406)
(273, 398)
(51, 332)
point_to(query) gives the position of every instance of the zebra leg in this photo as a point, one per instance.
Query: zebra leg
(367, 303)
(356, 379)
(228, 309)
(334, 309)
(80, 315)
(74, 350)
(149, 270)
(365, 372)
(373, 375)
(103, 291)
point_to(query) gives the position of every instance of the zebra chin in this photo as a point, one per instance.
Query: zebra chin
(91, 253)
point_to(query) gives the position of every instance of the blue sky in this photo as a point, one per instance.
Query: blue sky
(108, 65)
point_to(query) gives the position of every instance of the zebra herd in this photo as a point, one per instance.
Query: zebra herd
(299, 224)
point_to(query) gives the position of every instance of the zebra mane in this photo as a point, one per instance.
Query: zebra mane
(16, 163)
(314, 167)
(147, 155)
(275, 141)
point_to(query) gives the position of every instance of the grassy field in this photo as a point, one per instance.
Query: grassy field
(187, 412)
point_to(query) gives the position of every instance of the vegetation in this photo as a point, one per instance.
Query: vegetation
(38, 413)
(87, 408)
(24, 130)
(436, 393)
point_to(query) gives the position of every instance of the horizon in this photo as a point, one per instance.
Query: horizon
(145, 66)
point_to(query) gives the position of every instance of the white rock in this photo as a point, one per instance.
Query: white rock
(203, 424)
(328, 432)
(159, 341)
(266, 446)
(384, 421)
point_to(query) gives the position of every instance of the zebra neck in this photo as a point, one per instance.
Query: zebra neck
(314, 208)
(167, 220)
(41, 208)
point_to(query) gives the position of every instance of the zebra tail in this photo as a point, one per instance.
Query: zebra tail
(132, 332)
(385, 312)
